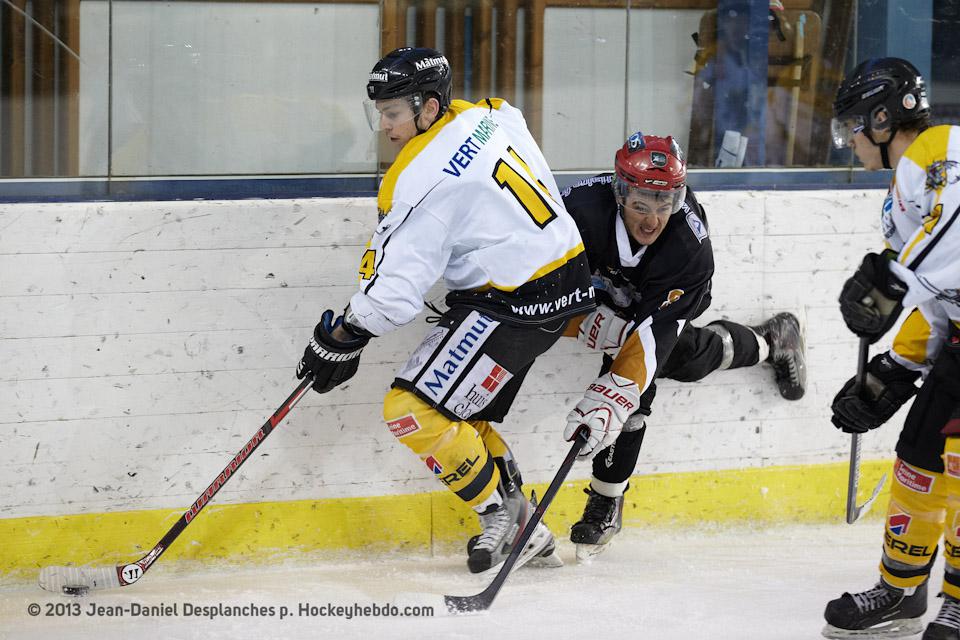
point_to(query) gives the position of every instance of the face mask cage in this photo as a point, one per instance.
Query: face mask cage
(392, 111)
(648, 201)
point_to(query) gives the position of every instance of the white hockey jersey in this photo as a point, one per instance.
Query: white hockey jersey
(919, 221)
(472, 200)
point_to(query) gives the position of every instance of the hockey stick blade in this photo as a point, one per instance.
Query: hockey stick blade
(483, 600)
(79, 580)
(864, 509)
(855, 512)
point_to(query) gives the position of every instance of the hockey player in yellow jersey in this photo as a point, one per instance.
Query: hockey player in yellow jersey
(881, 111)
(470, 199)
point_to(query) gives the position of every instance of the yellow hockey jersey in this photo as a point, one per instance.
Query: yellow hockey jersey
(472, 200)
(919, 221)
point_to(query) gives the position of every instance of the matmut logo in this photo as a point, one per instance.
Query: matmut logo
(911, 478)
(447, 367)
(426, 63)
(898, 523)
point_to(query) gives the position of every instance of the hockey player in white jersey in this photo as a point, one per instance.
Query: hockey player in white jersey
(881, 111)
(470, 199)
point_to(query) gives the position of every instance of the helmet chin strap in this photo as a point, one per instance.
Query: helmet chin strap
(417, 110)
(884, 146)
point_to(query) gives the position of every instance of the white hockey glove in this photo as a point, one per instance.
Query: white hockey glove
(606, 405)
(603, 330)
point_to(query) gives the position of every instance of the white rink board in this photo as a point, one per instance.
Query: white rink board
(144, 343)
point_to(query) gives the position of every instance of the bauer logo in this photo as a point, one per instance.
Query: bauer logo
(433, 465)
(898, 523)
(403, 426)
(911, 478)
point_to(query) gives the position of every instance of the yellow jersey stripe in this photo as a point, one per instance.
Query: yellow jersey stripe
(542, 271)
(912, 338)
(905, 253)
(930, 147)
(418, 144)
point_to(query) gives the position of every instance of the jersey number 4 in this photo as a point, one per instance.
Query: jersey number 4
(533, 199)
(368, 264)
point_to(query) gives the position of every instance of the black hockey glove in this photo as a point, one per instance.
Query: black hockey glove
(870, 300)
(887, 386)
(330, 361)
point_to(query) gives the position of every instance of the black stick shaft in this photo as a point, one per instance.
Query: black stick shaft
(204, 499)
(853, 479)
(484, 599)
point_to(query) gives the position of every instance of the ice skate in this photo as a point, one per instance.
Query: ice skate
(946, 626)
(501, 527)
(881, 612)
(782, 333)
(602, 519)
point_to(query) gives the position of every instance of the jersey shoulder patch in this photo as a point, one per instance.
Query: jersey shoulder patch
(697, 226)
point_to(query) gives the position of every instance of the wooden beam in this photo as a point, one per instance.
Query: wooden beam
(43, 99)
(393, 25)
(427, 23)
(533, 87)
(506, 78)
(454, 45)
(837, 33)
(70, 91)
(13, 92)
(483, 49)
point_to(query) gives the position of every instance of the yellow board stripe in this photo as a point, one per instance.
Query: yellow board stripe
(545, 269)
(271, 531)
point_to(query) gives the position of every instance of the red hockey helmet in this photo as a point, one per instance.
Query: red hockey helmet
(650, 169)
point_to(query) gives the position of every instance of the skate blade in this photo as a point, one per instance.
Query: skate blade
(550, 561)
(587, 552)
(538, 541)
(895, 629)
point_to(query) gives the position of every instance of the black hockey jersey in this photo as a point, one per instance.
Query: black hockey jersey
(661, 286)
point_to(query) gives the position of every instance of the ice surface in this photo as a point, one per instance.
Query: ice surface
(744, 583)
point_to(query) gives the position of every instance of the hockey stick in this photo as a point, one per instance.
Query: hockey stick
(854, 512)
(79, 580)
(483, 600)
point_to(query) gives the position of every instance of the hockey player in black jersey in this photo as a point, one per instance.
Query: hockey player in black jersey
(651, 259)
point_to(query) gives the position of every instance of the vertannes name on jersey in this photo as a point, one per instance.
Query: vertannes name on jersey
(473, 201)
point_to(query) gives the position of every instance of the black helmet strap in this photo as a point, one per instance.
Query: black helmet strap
(884, 146)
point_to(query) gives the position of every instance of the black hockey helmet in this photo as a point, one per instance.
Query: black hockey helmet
(414, 72)
(880, 94)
